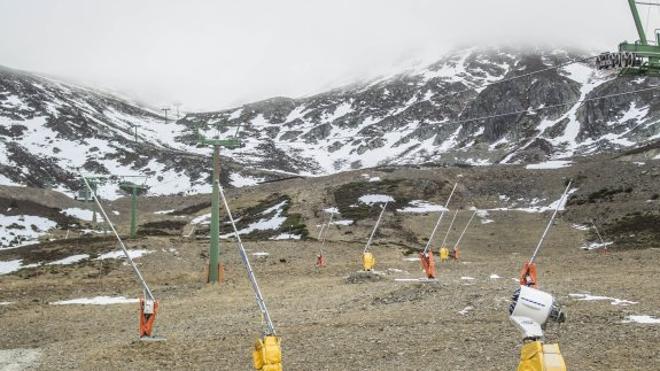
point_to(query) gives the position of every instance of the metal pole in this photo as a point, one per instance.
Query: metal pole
(638, 22)
(449, 229)
(214, 249)
(253, 280)
(121, 243)
(373, 232)
(442, 213)
(321, 231)
(464, 230)
(547, 228)
(597, 232)
(326, 233)
(134, 211)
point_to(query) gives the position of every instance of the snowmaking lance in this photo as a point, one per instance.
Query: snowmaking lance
(426, 256)
(267, 353)
(368, 259)
(531, 309)
(148, 303)
(323, 233)
(455, 253)
(603, 245)
(444, 251)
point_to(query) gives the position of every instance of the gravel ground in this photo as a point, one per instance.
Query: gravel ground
(330, 323)
(334, 319)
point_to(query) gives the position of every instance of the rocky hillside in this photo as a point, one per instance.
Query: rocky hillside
(428, 115)
(49, 129)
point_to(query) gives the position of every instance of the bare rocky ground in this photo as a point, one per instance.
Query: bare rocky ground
(325, 321)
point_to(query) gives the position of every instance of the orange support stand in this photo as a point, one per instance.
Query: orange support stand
(147, 319)
(528, 275)
(221, 273)
(428, 264)
(320, 261)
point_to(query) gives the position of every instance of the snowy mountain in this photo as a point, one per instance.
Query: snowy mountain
(428, 115)
(49, 129)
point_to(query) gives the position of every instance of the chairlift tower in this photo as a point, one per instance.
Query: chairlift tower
(214, 250)
(165, 110)
(134, 190)
(88, 196)
(638, 58)
(135, 131)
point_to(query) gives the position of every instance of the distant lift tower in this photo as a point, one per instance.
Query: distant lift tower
(639, 58)
(165, 110)
(134, 190)
(216, 269)
(85, 194)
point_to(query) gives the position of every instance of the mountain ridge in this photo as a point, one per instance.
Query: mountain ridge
(429, 114)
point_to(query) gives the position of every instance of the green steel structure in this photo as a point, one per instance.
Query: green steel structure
(642, 48)
(134, 190)
(86, 195)
(641, 57)
(215, 266)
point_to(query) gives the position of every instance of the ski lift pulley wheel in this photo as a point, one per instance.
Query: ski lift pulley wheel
(85, 195)
(128, 187)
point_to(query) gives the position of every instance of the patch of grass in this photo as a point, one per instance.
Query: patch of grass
(161, 228)
(293, 223)
(602, 195)
(192, 209)
(635, 231)
(402, 190)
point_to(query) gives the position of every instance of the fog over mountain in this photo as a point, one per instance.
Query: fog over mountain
(219, 54)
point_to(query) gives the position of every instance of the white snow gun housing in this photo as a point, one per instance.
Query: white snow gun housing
(531, 309)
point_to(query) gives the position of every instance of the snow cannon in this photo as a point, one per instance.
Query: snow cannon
(530, 311)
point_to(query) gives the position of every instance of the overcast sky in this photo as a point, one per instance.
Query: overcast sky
(220, 53)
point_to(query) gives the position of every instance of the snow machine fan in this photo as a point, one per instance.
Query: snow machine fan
(531, 309)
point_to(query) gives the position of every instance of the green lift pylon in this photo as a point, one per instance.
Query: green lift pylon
(215, 265)
(88, 196)
(134, 190)
(642, 47)
(637, 58)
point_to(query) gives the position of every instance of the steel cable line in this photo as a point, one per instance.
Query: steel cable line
(530, 111)
(477, 87)
(446, 96)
